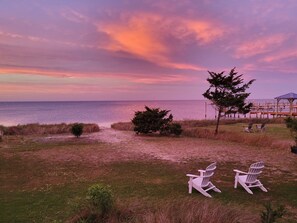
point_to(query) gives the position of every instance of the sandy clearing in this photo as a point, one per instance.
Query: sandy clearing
(126, 145)
(181, 149)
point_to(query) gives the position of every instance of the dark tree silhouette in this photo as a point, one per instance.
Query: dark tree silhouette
(77, 129)
(227, 93)
(155, 120)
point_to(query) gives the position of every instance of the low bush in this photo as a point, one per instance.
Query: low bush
(101, 197)
(171, 129)
(77, 129)
(155, 120)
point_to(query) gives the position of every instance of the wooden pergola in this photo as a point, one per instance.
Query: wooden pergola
(291, 97)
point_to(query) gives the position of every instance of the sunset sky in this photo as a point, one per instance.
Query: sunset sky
(143, 49)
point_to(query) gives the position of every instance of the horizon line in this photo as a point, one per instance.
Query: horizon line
(138, 100)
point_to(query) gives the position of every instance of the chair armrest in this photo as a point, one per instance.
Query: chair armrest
(239, 171)
(192, 175)
(201, 172)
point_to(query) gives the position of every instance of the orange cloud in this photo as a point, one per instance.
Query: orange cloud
(260, 45)
(138, 39)
(142, 36)
(204, 31)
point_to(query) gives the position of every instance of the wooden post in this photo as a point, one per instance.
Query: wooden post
(205, 109)
(291, 106)
(277, 104)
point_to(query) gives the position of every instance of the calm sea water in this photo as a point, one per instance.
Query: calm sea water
(104, 113)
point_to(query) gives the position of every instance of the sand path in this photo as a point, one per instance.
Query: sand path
(126, 145)
(182, 149)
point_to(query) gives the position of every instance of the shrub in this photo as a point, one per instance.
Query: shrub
(154, 120)
(269, 215)
(175, 128)
(171, 129)
(292, 125)
(77, 129)
(101, 197)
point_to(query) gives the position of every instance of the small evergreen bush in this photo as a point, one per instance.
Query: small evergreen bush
(155, 120)
(101, 197)
(77, 129)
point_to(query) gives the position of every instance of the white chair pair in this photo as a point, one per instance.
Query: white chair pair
(247, 180)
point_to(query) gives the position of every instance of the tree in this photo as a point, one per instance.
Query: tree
(77, 129)
(155, 120)
(227, 93)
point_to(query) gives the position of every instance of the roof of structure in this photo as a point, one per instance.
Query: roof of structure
(287, 96)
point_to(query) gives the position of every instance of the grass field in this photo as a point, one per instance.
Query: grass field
(45, 180)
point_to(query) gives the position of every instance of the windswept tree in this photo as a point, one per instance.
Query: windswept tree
(227, 93)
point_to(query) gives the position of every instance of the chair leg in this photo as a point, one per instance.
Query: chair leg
(263, 188)
(217, 190)
(190, 186)
(235, 182)
(245, 187)
(203, 192)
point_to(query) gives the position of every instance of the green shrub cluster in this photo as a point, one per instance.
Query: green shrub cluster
(155, 120)
(101, 197)
(77, 129)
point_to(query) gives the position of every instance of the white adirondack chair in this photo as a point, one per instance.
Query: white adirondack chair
(202, 182)
(249, 179)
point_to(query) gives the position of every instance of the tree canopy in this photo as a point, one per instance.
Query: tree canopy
(227, 93)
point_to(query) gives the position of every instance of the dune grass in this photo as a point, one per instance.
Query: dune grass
(276, 134)
(42, 129)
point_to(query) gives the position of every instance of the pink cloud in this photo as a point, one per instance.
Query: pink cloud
(142, 35)
(259, 45)
(283, 55)
(162, 79)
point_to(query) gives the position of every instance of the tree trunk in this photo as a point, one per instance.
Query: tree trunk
(218, 121)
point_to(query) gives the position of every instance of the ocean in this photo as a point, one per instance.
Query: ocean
(104, 113)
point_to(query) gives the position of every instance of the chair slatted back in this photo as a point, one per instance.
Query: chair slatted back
(254, 171)
(209, 171)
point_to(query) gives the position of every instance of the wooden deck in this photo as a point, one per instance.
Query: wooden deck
(269, 110)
